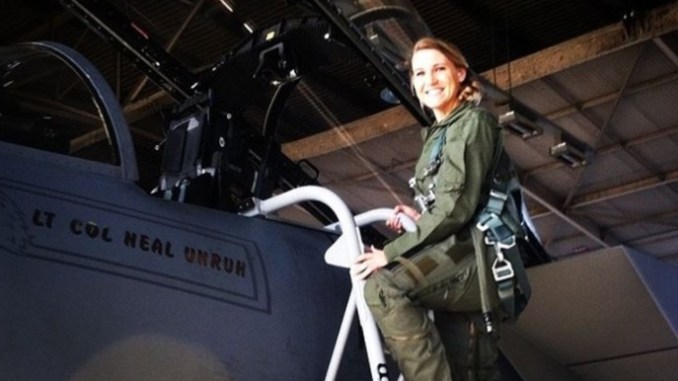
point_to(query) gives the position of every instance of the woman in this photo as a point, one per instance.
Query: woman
(435, 268)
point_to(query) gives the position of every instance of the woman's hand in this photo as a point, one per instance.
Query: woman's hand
(394, 222)
(367, 263)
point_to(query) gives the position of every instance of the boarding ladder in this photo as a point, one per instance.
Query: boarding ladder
(342, 253)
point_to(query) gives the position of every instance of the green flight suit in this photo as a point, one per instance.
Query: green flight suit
(435, 268)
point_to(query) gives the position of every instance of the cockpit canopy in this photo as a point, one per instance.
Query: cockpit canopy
(45, 104)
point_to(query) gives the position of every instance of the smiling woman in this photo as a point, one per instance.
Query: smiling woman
(435, 268)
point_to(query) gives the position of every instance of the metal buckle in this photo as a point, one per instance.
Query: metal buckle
(502, 270)
(483, 226)
(500, 195)
(501, 245)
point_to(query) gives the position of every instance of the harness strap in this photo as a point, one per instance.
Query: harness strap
(520, 280)
(481, 262)
(505, 283)
(437, 151)
(499, 224)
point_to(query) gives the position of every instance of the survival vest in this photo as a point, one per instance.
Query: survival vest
(499, 223)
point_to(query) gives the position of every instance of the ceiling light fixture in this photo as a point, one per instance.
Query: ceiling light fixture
(567, 153)
(519, 124)
(227, 5)
(249, 27)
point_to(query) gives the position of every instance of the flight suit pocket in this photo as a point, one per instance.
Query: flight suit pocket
(452, 175)
(380, 292)
(448, 293)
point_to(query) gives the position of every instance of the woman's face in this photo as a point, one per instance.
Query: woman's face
(436, 81)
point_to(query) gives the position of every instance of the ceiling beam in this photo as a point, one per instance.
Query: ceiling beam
(408, 164)
(133, 113)
(667, 50)
(50, 107)
(523, 70)
(597, 101)
(583, 200)
(626, 189)
(650, 219)
(645, 138)
(148, 106)
(371, 127)
(588, 229)
(584, 48)
(603, 131)
(86, 140)
(405, 165)
(143, 108)
(608, 194)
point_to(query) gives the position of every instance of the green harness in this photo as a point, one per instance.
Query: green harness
(499, 223)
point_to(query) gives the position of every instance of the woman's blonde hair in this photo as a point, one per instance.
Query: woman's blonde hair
(471, 89)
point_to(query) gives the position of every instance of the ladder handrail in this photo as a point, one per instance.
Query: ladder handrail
(365, 218)
(375, 353)
(378, 215)
(336, 254)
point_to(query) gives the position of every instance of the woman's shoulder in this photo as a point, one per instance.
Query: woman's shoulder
(480, 113)
(477, 120)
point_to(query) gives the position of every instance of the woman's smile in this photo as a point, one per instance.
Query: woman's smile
(436, 81)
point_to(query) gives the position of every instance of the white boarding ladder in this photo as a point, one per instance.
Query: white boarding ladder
(342, 253)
